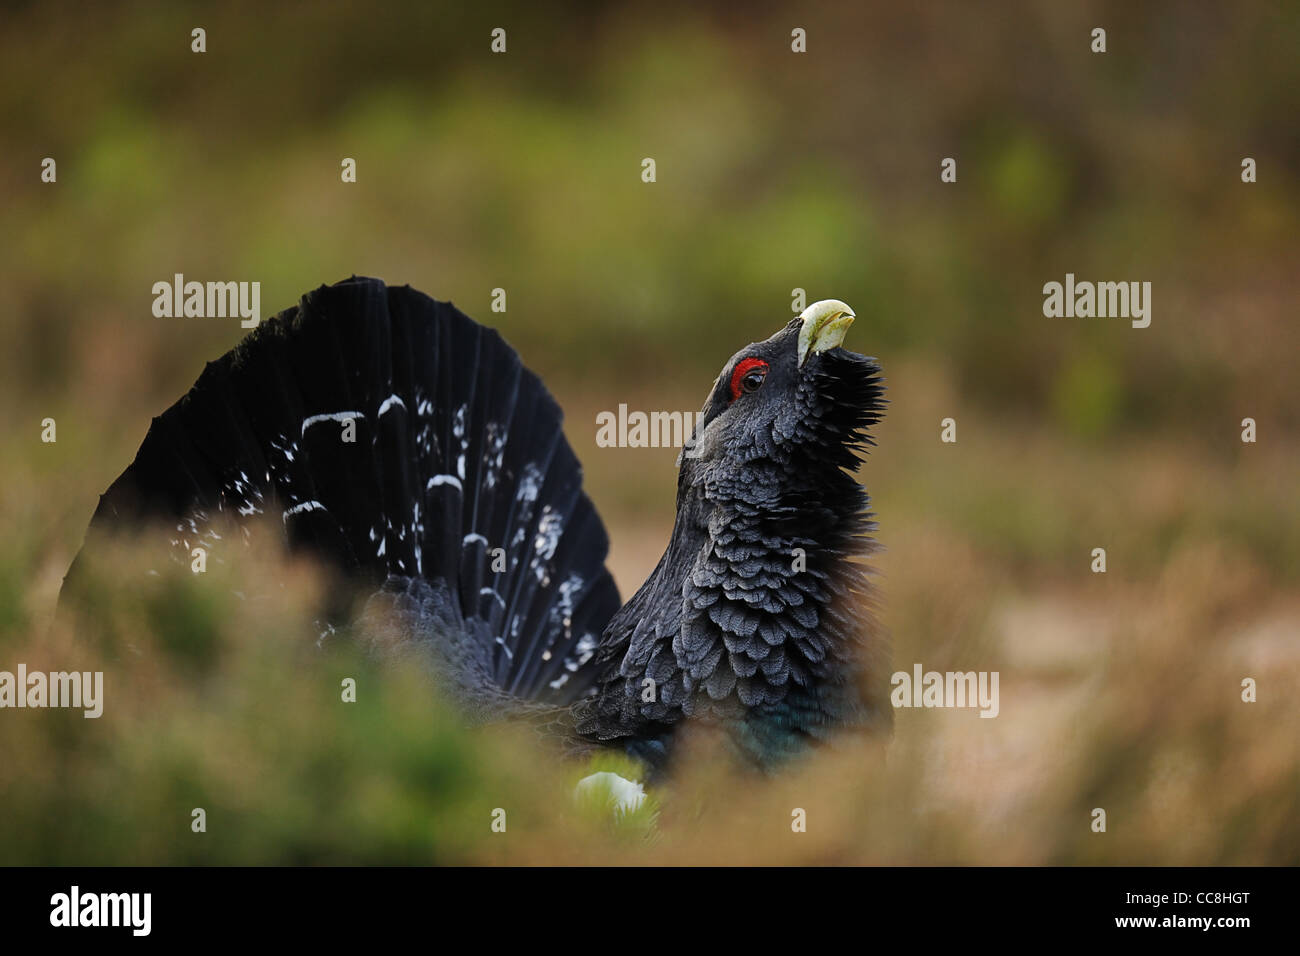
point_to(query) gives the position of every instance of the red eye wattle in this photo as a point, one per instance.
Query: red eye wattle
(748, 376)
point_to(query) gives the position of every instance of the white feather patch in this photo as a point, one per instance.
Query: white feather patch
(626, 796)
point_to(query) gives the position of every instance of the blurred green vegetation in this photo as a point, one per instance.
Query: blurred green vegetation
(775, 171)
(250, 726)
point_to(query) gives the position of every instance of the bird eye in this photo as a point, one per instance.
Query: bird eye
(748, 376)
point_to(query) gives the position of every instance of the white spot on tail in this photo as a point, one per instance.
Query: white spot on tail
(549, 529)
(444, 480)
(305, 506)
(331, 417)
(529, 484)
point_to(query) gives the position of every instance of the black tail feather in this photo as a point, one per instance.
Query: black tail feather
(456, 451)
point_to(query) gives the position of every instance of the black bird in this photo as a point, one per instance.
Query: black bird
(409, 447)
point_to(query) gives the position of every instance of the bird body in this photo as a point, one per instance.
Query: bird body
(408, 447)
(757, 618)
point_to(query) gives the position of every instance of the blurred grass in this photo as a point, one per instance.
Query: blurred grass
(774, 171)
(1123, 696)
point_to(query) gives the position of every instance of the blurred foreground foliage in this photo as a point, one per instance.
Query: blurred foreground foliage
(216, 696)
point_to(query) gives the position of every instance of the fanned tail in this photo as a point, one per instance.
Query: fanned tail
(410, 447)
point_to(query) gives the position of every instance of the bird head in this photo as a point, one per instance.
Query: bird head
(796, 398)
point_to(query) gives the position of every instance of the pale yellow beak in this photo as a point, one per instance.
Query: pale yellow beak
(825, 324)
